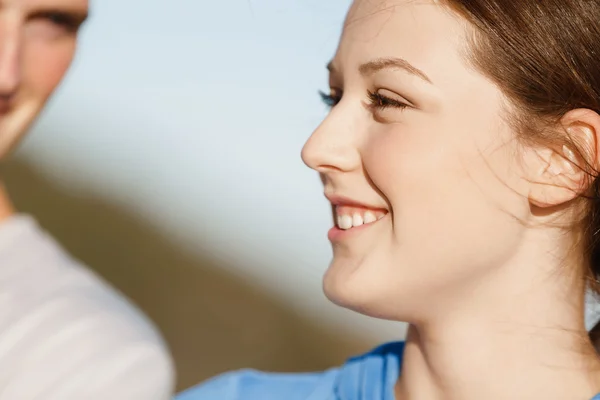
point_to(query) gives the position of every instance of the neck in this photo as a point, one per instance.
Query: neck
(517, 335)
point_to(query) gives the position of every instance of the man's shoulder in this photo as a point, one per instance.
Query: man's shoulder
(58, 319)
(250, 384)
(42, 282)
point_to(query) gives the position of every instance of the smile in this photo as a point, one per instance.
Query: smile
(349, 217)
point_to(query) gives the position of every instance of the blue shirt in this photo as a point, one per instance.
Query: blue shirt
(368, 377)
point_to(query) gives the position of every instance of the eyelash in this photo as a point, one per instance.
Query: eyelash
(376, 100)
(328, 99)
(382, 102)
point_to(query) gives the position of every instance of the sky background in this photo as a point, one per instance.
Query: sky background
(192, 114)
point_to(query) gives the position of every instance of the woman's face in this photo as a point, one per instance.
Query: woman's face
(421, 168)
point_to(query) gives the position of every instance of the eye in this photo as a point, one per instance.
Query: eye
(332, 98)
(54, 24)
(381, 102)
(62, 20)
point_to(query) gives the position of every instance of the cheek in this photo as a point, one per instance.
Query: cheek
(441, 181)
(406, 162)
(45, 66)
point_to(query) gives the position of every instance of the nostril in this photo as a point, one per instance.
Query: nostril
(325, 168)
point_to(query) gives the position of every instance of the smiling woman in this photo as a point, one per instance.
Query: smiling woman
(460, 158)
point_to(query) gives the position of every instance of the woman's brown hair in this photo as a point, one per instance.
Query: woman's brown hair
(545, 56)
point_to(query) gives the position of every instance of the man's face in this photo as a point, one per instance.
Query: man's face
(37, 44)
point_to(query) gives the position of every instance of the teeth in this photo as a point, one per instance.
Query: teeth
(357, 220)
(344, 222)
(348, 218)
(369, 217)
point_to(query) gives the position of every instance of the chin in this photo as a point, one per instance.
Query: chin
(352, 287)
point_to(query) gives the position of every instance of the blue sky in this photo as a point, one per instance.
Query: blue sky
(193, 114)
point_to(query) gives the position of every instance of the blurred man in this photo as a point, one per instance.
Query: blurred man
(64, 333)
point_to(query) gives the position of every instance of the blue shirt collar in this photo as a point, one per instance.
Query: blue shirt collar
(371, 376)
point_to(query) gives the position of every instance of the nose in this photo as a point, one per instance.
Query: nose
(334, 145)
(10, 56)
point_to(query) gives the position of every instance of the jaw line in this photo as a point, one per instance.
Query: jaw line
(17, 125)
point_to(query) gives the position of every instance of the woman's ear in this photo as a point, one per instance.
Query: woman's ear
(559, 175)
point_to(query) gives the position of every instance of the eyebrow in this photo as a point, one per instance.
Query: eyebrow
(371, 67)
(379, 64)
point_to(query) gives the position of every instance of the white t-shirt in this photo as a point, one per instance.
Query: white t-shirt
(67, 335)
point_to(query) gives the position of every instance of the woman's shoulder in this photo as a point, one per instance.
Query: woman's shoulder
(255, 385)
(369, 372)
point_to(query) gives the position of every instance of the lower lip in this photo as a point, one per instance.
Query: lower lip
(336, 234)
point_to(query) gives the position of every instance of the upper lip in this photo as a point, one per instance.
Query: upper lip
(338, 200)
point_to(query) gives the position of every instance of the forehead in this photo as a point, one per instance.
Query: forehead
(422, 32)
(26, 5)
